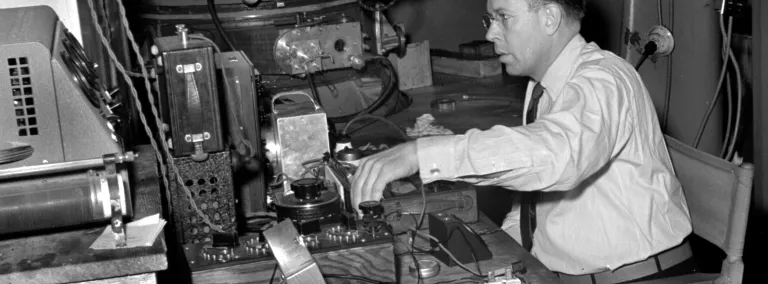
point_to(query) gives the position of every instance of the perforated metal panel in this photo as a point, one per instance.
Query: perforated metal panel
(211, 185)
(22, 93)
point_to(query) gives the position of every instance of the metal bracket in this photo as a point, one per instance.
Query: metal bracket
(115, 202)
(193, 104)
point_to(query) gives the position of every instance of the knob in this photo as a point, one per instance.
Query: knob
(371, 208)
(349, 155)
(308, 188)
(357, 61)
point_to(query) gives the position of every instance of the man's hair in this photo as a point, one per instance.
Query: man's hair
(574, 9)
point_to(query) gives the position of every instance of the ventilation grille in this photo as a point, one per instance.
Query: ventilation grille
(23, 96)
(210, 183)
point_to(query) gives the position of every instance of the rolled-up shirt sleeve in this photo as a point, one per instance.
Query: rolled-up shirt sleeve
(577, 136)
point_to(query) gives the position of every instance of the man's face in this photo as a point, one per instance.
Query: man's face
(517, 34)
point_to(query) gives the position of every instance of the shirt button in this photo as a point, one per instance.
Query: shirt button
(434, 172)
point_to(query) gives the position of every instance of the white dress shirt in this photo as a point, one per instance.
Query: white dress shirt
(609, 194)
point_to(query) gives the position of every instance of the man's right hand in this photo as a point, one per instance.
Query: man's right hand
(376, 171)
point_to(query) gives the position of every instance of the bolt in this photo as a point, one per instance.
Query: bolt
(188, 138)
(179, 69)
(198, 66)
(206, 136)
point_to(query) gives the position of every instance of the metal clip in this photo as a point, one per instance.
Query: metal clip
(115, 202)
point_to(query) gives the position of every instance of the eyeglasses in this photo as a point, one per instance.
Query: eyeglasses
(489, 19)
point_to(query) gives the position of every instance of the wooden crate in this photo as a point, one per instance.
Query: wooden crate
(468, 68)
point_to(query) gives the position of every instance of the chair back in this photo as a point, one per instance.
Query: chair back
(718, 194)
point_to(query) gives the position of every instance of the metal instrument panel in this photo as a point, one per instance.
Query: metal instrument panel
(203, 256)
(318, 48)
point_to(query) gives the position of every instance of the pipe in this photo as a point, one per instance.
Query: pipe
(60, 167)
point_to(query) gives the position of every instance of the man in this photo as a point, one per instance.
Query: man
(607, 196)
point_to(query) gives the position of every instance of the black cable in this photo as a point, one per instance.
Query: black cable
(313, 89)
(471, 249)
(217, 23)
(668, 94)
(386, 93)
(413, 255)
(650, 49)
(273, 274)
(354, 277)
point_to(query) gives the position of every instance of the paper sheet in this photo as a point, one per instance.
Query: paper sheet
(139, 233)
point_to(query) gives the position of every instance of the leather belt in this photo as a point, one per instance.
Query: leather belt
(637, 270)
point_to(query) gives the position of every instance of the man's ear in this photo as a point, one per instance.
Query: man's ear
(552, 17)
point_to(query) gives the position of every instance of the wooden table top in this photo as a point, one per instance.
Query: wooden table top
(65, 257)
(504, 248)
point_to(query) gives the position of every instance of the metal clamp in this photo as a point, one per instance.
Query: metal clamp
(272, 105)
(115, 202)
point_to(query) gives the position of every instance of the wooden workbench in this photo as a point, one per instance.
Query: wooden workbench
(65, 257)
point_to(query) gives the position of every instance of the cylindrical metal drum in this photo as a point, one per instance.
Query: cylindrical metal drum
(38, 203)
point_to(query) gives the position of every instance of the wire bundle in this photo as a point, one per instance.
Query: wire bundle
(733, 125)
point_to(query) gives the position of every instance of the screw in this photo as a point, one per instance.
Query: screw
(188, 138)
(198, 66)
(179, 69)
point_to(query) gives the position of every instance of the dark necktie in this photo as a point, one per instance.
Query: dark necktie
(528, 199)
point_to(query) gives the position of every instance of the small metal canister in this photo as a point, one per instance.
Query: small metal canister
(299, 134)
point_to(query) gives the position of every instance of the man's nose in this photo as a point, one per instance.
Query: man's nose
(492, 33)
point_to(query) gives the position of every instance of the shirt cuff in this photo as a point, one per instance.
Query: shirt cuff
(436, 158)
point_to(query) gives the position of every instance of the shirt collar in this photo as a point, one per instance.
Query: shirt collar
(555, 77)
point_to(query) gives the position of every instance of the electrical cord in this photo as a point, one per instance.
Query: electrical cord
(739, 92)
(670, 60)
(453, 257)
(729, 115)
(389, 89)
(217, 23)
(274, 271)
(375, 117)
(387, 92)
(313, 88)
(466, 240)
(129, 82)
(649, 49)
(712, 104)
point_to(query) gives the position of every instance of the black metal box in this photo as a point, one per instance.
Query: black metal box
(191, 99)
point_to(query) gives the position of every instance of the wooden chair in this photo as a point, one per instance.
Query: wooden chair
(718, 195)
